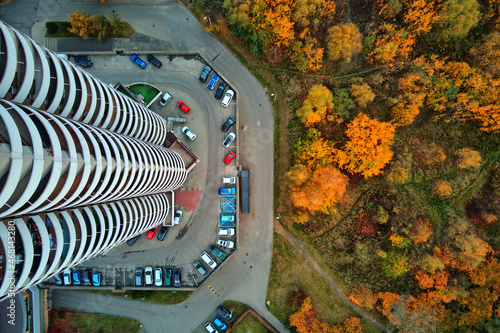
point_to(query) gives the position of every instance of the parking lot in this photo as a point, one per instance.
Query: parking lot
(198, 229)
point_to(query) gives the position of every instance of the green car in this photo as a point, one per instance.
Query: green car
(168, 277)
(199, 267)
(215, 250)
(226, 218)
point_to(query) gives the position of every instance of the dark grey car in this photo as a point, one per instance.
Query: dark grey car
(163, 233)
(204, 74)
(152, 59)
(228, 123)
(220, 89)
(138, 276)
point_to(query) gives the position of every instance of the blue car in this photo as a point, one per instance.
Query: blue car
(227, 190)
(77, 278)
(96, 279)
(218, 322)
(138, 61)
(213, 82)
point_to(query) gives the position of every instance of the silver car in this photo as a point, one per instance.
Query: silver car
(229, 139)
(227, 98)
(190, 134)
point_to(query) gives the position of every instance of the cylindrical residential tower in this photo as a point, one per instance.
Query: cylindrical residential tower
(82, 167)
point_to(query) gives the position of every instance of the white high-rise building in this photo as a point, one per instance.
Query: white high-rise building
(82, 167)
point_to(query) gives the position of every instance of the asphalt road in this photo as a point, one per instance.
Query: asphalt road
(245, 276)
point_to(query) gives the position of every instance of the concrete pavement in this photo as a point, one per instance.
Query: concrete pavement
(245, 276)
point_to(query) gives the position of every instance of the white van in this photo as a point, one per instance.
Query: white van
(210, 262)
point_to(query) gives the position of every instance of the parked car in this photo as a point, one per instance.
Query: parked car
(229, 122)
(96, 279)
(77, 278)
(227, 218)
(138, 276)
(165, 99)
(221, 309)
(216, 251)
(177, 278)
(227, 98)
(57, 279)
(220, 89)
(228, 180)
(151, 233)
(225, 242)
(184, 107)
(190, 134)
(225, 232)
(229, 157)
(168, 277)
(219, 323)
(199, 267)
(213, 81)
(132, 240)
(163, 233)
(208, 259)
(227, 190)
(138, 61)
(229, 139)
(177, 217)
(87, 274)
(204, 73)
(148, 276)
(67, 277)
(210, 328)
(152, 59)
(83, 61)
(158, 278)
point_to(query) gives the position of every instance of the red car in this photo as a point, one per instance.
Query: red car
(184, 107)
(229, 157)
(151, 233)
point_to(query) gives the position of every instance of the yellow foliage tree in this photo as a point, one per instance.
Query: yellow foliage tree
(81, 24)
(410, 100)
(468, 158)
(368, 149)
(362, 94)
(314, 150)
(318, 102)
(391, 44)
(343, 42)
(487, 53)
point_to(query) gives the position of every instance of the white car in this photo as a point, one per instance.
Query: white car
(158, 280)
(165, 99)
(190, 134)
(229, 139)
(225, 232)
(148, 276)
(208, 259)
(177, 216)
(67, 277)
(210, 328)
(227, 98)
(225, 242)
(228, 180)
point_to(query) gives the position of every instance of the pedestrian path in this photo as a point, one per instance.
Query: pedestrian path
(302, 250)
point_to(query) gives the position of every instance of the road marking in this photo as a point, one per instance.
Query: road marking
(126, 307)
(210, 287)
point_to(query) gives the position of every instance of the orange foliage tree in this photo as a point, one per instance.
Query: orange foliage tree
(421, 231)
(81, 24)
(318, 102)
(442, 188)
(322, 190)
(391, 44)
(368, 149)
(420, 15)
(363, 297)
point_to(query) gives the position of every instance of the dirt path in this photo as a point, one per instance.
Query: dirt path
(302, 250)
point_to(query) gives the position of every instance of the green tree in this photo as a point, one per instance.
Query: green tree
(395, 264)
(456, 18)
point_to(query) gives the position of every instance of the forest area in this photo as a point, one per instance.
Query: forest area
(394, 173)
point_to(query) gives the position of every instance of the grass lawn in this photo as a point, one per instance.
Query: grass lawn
(290, 270)
(62, 322)
(145, 90)
(250, 324)
(161, 297)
